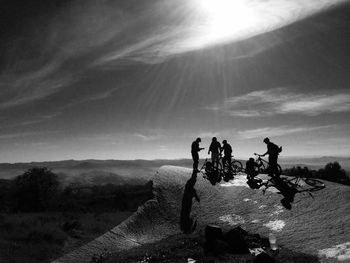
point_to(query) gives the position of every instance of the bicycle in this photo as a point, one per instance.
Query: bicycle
(234, 166)
(292, 185)
(263, 166)
(215, 172)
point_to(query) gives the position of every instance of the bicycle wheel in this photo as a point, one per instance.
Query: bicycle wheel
(268, 170)
(316, 184)
(236, 166)
(227, 173)
(295, 183)
(263, 169)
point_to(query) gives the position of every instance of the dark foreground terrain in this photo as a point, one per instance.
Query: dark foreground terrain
(183, 248)
(41, 219)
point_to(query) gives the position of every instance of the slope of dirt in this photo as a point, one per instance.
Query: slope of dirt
(316, 226)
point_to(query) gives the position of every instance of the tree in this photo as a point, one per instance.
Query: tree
(333, 172)
(35, 189)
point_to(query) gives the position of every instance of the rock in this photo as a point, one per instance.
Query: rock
(235, 241)
(212, 232)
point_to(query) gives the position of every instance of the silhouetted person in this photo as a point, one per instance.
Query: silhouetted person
(251, 171)
(215, 148)
(227, 149)
(272, 150)
(251, 168)
(194, 151)
(186, 222)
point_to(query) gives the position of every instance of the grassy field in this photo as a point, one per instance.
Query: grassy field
(41, 237)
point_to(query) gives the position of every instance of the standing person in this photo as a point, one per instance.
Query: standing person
(227, 149)
(215, 149)
(194, 151)
(272, 150)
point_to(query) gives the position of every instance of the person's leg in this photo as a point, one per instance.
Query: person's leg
(195, 158)
(215, 159)
(224, 161)
(229, 161)
(273, 166)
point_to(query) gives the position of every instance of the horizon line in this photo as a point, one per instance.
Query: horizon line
(172, 159)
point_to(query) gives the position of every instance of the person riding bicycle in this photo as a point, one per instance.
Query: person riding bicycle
(195, 149)
(215, 148)
(273, 151)
(227, 149)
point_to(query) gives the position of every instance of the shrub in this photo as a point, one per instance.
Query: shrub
(331, 172)
(35, 189)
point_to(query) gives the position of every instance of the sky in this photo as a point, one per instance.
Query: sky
(127, 79)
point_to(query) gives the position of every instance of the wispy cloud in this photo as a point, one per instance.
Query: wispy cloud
(109, 33)
(151, 134)
(278, 131)
(24, 134)
(181, 33)
(21, 88)
(318, 104)
(38, 119)
(284, 101)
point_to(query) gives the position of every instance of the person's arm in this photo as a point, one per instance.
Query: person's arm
(267, 152)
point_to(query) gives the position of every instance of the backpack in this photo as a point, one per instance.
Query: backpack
(275, 149)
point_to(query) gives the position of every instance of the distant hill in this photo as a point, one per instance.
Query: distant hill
(315, 162)
(128, 170)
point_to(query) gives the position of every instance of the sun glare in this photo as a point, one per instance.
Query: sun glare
(226, 18)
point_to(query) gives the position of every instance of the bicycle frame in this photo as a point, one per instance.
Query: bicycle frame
(218, 171)
(299, 183)
(263, 165)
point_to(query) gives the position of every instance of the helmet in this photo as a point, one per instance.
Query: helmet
(266, 140)
(198, 139)
(214, 139)
(224, 142)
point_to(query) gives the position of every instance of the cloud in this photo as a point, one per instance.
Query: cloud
(21, 88)
(38, 119)
(318, 104)
(172, 28)
(278, 131)
(24, 135)
(150, 135)
(284, 101)
(107, 34)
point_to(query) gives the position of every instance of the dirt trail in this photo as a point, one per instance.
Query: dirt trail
(312, 226)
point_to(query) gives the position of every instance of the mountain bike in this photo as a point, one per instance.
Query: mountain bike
(290, 186)
(217, 171)
(300, 184)
(263, 166)
(234, 167)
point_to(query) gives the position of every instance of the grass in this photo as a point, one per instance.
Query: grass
(39, 237)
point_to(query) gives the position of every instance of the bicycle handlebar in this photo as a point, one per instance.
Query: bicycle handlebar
(258, 154)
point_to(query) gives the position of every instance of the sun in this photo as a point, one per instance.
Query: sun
(226, 18)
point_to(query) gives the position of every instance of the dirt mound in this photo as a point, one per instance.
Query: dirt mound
(311, 226)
